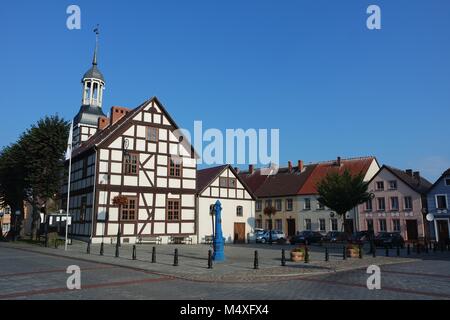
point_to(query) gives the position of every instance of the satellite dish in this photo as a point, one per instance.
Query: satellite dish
(430, 217)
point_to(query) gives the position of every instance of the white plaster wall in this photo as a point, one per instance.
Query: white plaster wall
(229, 217)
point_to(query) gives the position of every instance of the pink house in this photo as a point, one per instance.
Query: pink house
(398, 204)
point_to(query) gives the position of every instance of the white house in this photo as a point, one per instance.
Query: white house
(238, 204)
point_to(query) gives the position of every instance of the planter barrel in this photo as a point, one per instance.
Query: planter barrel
(352, 252)
(297, 256)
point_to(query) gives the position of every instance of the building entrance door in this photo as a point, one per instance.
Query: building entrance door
(291, 227)
(411, 230)
(442, 230)
(239, 233)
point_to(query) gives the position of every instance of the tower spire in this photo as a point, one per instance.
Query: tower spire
(97, 32)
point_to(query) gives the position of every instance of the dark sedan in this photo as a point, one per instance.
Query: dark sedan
(360, 237)
(335, 236)
(307, 237)
(389, 239)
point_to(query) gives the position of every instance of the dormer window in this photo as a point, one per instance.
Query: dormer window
(447, 182)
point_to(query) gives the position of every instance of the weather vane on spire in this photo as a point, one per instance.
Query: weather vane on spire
(97, 32)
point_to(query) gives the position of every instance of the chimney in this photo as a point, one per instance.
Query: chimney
(237, 170)
(102, 123)
(300, 165)
(117, 113)
(409, 172)
(251, 169)
(416, 175)
(290, 165)
(338, 161)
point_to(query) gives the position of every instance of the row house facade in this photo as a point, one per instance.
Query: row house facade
(292, 191)
(399, 203)
(438, 200)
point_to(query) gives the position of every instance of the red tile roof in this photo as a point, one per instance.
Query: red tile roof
(294, 182)
(355, 166)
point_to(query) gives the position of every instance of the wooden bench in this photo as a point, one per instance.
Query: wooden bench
(149, 239)
(180, 240)
(208, 239)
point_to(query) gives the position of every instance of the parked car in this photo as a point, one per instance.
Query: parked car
(390, 239)
(307, 237)
(360, 237)
(256, 233)
(335, 236)
(277, 236)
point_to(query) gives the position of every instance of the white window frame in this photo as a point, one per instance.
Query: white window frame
(398, 204)
(396, 184)
(324, 224)
(304, 204)
(378, 204)
(376, 185)
(306, 224)
(436, 201)
(331, 224)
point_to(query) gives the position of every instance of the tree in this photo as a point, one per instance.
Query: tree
(44, 145)
(12, 182)
(343, 192)
(270, 211)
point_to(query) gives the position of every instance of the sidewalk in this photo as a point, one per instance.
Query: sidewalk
(238, 266)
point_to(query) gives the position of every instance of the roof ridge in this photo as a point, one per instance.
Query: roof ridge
(347, 159)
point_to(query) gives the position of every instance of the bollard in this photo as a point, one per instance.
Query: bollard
(408, 249)
(175, 258)
(133, 255)
(442, 246)
(101, 248)
(344, 254)
(210, 265)
(386, 248)
(117, 250)
(306, 255)
(256, 261)
(374, 252)
(360, 251)
(56, 243)
(153, 255)
(426, 248)
(434, 247)
(327, 256)
(398, 251)
(88, 249)
(283, 258)
(418, 248)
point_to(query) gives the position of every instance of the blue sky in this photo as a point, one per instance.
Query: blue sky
(310, 68)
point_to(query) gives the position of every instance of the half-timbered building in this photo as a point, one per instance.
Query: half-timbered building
(136, 153)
